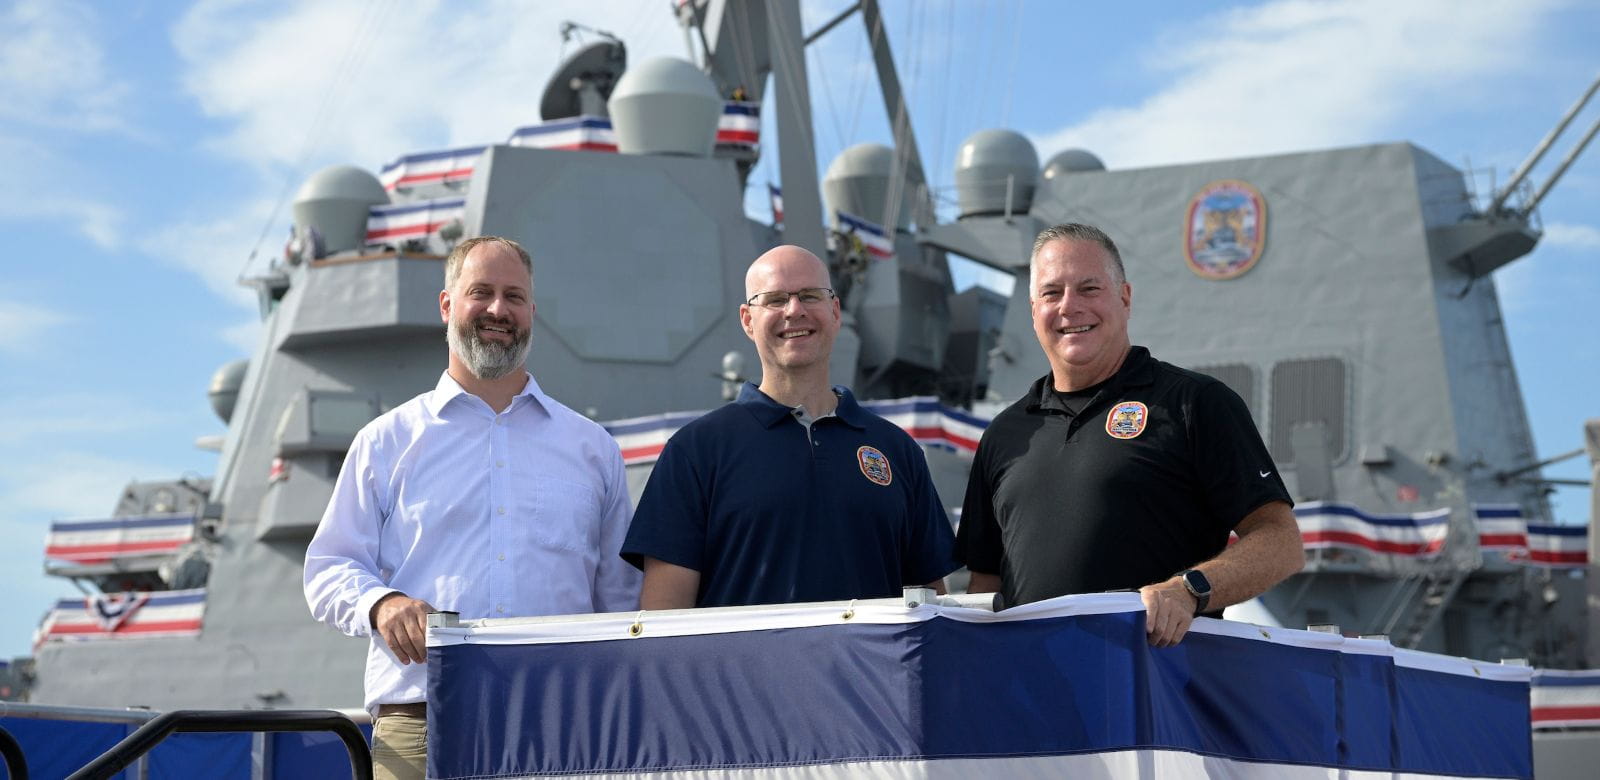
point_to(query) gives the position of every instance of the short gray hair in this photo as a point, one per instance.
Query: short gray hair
(458, 256)
(1075, 231)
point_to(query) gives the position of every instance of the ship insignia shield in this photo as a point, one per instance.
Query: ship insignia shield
(874, 465)
(1126, 420)
(1226, 229)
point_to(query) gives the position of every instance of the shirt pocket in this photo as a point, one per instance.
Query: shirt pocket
(566, 515)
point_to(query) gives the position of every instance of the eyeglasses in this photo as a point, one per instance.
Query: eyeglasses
(777, 299)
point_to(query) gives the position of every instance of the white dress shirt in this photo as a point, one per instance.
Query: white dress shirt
(490, 515)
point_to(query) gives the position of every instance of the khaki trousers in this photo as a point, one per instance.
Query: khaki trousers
(400, 747)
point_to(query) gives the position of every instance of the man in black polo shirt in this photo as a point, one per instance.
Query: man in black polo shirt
(1118, 471)
(793, 492)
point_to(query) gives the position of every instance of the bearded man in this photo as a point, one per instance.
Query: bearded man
(483, 496)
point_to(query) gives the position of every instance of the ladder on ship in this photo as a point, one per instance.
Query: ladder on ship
(1435, 588)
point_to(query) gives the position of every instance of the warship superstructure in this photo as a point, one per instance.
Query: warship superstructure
(1345, 294)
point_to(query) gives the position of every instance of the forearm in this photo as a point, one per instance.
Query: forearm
(668, 586)
(983, 583)
(1268, 551)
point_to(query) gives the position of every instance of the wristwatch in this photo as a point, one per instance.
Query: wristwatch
(1198, 586)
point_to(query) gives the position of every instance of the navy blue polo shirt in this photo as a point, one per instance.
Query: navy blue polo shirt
(769, 515)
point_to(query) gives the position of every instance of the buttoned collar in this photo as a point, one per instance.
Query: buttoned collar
(1137, 370)
(769, 412)
(448, 389)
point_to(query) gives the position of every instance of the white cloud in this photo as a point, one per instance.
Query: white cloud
(39, 422)
(1568, 236)
(1295, 74)
(68, 483)
(369, 82)
(52, 69)
(243, 336)
(22, 325)
(216, 249)
(36, 191)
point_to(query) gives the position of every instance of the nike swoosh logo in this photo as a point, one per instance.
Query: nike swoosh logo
(1265, 474)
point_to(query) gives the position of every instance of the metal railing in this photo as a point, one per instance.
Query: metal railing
(143, 740)
(16, 763)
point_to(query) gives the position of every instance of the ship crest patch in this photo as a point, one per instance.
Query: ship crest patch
(1126, 420)
(1225, 230)
(874, 466)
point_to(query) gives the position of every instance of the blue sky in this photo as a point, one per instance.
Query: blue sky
(146, 147)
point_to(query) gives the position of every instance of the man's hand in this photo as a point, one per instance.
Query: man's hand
(402, 621)
(1168, 611)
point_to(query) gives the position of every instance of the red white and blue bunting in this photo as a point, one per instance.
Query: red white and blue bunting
(1502, 528)
(162, 614)
(931, 423)
(1565, 699)
(1330, 525)
(118, 538)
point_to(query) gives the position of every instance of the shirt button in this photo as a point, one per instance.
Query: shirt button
(499, 607)
(499, 421)
(499, 464)
(502, 556)
(499, 510)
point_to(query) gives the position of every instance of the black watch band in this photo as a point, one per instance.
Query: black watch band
(1199, 587)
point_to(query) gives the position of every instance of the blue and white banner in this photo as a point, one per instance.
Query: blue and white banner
(1060, 688)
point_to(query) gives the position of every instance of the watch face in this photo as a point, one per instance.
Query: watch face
(1197, 582)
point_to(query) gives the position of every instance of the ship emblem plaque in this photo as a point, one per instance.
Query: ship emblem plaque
(1126, 420)
(874, 465)
(1225, 229)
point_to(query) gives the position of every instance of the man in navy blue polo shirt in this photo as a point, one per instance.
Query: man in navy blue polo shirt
(793, 492)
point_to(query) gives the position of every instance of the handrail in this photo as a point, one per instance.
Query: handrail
(16, 763)
(146, 737)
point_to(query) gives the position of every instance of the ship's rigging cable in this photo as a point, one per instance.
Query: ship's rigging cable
(1011, 72)
(827, 99)
(942, 127)
(351, 62)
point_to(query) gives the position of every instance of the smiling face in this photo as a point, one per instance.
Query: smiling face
(797, 336)
(488, 312)
(1080, 312)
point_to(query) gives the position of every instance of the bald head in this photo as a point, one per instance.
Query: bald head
(785, 267)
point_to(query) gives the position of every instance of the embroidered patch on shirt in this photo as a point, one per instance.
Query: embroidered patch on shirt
(874, 465)
(1126, 420)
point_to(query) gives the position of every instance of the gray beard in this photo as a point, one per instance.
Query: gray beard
(486, 360)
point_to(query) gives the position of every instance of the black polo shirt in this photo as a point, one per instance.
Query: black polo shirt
(1145, 481)
(770, 513)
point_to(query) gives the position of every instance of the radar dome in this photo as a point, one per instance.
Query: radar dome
(989, 164)
(857, 183)
(665, 106)
(1071, 161)
(334, 202)
(225, 385)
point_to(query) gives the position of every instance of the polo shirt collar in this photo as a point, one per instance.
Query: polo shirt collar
(769, 412)
(448, 389)
(1137, 370)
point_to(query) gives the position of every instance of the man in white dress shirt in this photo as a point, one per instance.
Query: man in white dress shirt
(483, 496)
